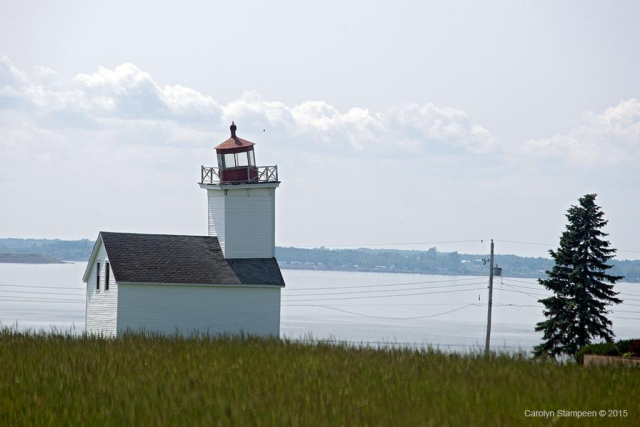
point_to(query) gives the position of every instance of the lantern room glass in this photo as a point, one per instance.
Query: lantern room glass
(229, 160)
(242, 159)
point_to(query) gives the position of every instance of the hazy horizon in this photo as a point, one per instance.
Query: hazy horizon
(418, 123)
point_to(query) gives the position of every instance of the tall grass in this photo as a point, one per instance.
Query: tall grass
(149, 380)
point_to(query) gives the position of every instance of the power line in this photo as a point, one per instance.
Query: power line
(523, 243)
(393, 244)
(387, 284)
(629, 299)
(389, 296)
(554, 245)
(381, 305)
(523, 287)
(388, 290)
(521, 310)
(518, 305)
(623, 294)
(415, 304)
(522, 292)
(43, 287)
(389, 318)
(522, 281)
(39, 293)
(532, 294)
(48, 300)
(624, 311)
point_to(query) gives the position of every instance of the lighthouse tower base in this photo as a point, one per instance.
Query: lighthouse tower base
(242, 216)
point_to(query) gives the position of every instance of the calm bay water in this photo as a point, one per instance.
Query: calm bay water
(393, 309)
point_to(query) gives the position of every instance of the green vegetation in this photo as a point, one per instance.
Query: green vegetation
(68, 250)
(601, 349)
(427, 262)
(629, 348)
(28, 259)
(582, 289)
(137, 380)
(403, 261)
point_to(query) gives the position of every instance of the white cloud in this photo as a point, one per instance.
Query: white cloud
(115, 97)
(127, 103)
(189, 104)
(125, 91)
(609, 138)
(411, 128)
(9, 74)
(46, 71)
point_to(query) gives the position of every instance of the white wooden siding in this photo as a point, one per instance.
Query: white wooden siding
(189, 309)
(244, 221)
(102, 305)
(216, 204)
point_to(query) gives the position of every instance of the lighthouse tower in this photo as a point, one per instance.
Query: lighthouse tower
(241, 200)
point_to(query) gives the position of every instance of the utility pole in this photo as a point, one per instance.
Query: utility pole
(487, 341)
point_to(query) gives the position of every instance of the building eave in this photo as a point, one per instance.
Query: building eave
(92, 258)
(240, 186)
(201, 285)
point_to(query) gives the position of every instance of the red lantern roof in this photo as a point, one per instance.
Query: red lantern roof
(234, 141)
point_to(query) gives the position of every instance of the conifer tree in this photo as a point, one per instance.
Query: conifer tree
(576, 313)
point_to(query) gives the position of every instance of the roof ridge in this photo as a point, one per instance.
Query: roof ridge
(156, 234)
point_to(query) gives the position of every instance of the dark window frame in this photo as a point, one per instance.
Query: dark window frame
(98, 277)
(106, 275)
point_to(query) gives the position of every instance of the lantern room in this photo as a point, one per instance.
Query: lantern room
(237, 165)
(236, 159)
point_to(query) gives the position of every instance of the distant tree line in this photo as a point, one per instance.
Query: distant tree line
(67, 250)
(6, 258)
(429, 262)
(389, 260)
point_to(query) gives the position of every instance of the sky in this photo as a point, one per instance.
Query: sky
(393, 124)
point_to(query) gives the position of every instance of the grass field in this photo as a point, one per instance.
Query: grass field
(137, 380)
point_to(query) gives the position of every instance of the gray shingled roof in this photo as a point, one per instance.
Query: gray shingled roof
(161, 258)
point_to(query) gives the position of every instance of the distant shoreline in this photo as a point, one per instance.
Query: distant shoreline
(430, 262)
(424, 273)
(28, 259)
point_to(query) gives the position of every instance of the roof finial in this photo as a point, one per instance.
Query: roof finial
(233, 129)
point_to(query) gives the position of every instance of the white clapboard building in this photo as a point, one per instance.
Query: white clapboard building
(225, 283)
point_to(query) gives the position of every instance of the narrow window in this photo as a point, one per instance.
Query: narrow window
(98, 277)
(106, 276)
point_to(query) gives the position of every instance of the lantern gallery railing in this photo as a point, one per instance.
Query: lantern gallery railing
(249, 174)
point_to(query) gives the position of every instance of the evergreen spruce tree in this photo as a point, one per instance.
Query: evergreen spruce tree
(576, 313)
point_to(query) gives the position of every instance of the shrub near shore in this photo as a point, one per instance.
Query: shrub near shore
(144, 380)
